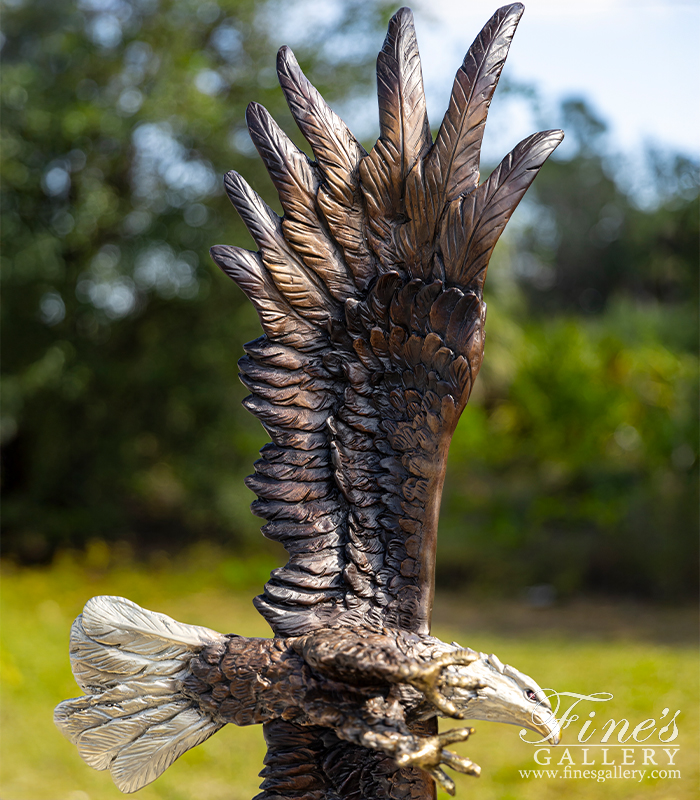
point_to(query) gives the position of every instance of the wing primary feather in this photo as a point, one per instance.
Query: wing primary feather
(336, 149)
(298, 284)
(279, 320)
(339, 155)
(297, 181)
(289, 167)
(473, 224)
(452, 166)
(403, 117)
(404, 135)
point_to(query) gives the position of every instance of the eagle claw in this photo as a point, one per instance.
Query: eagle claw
(430, 754)
(427, 677)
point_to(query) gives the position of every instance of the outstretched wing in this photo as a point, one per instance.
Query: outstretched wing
(310, 763)
(369, 291)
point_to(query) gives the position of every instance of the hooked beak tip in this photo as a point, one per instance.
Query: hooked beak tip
(550, 729)
(554, 737)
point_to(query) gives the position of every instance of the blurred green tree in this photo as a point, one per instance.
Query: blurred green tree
(575, 465)
(588, 240)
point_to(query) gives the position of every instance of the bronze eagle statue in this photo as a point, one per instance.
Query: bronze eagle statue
(370, 295)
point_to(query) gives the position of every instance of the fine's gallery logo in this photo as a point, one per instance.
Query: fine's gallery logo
(600, 746)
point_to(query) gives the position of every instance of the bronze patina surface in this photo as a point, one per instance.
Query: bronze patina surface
(370, 295)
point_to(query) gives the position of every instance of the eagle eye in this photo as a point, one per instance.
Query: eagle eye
(531, 695)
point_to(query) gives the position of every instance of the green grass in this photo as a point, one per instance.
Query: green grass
(39, 604)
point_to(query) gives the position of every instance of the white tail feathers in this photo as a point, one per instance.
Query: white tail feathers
(134, 719)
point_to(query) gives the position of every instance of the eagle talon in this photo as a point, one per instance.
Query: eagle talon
(455, 735)
(443, 779)
(429, 754)
(428, 677)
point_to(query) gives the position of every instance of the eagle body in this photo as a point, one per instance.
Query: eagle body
(369, 291)
(310, 680)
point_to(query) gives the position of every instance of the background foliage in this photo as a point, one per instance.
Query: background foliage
(575, 464)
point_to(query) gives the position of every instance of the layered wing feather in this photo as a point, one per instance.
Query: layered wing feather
(297, 181)
(338, 154)
(301, 286)
(452, 166)
(473, 223)
(369, 291)
(307, 763)
(404, 134)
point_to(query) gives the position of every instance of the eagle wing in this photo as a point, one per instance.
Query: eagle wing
(370, 295)
(310, 763)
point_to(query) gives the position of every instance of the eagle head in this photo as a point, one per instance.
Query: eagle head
(487, 689)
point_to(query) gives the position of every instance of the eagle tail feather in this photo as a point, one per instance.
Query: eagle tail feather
(134, 719)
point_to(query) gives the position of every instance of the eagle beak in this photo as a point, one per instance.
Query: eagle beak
(545, 723)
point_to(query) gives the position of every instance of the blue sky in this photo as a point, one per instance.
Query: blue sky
(637, 63)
